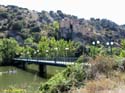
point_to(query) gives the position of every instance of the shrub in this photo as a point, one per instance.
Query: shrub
(83, 59)
(80, 59)
(122, 53)
(95, 50)
(101, 65)
(121, 65)
(61, 82)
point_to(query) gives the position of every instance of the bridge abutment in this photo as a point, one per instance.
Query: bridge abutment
(42, 70)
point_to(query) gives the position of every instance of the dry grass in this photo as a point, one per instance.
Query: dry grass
(99, 85)
(113, 84)
(103, 77)
(118, 77)
(100, 65)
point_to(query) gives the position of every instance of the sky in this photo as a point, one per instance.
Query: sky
(109, 9)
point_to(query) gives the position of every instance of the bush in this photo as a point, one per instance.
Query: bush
(80, 59)
(52, 86)
(71, 76)
(84, 59)
(75, 75)
(101, 65)
(121, 65)
(122, 53)
(95, 50)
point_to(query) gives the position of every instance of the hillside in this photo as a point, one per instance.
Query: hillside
(22, 23)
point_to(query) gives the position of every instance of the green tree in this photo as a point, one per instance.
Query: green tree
(43, 45)
(56, 48)
(29, 40)
(8, 48)
(56, 25)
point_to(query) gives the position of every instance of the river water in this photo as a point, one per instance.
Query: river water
(16, 77)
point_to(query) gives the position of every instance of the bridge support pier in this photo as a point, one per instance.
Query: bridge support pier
(24, 65)
(42, 70)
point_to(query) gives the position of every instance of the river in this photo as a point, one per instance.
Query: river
(15, 77)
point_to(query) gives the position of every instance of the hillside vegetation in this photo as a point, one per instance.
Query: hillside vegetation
(22, 23)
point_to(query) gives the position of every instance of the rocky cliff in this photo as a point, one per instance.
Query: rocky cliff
(22, 23)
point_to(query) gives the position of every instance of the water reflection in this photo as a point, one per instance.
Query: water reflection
(11, 71)
(12, 76)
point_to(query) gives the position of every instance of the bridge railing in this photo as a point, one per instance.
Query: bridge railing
(64, 59)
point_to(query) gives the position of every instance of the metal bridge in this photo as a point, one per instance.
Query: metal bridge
(42, 62)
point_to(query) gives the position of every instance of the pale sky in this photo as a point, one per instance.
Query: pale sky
(109, 9)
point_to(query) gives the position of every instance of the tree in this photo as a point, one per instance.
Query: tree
(53, 29)
(57, 48)
(8, 50)
(56, 25)
(28, 40)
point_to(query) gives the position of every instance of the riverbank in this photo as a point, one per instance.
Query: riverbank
(104, 73)
(102, 84)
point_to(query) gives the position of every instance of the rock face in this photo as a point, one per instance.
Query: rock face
(20, 23)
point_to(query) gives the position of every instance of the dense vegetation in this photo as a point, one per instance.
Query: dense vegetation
(7, 50)
(75, 77)
(30, 34)
(99, 64)
(45, 47)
